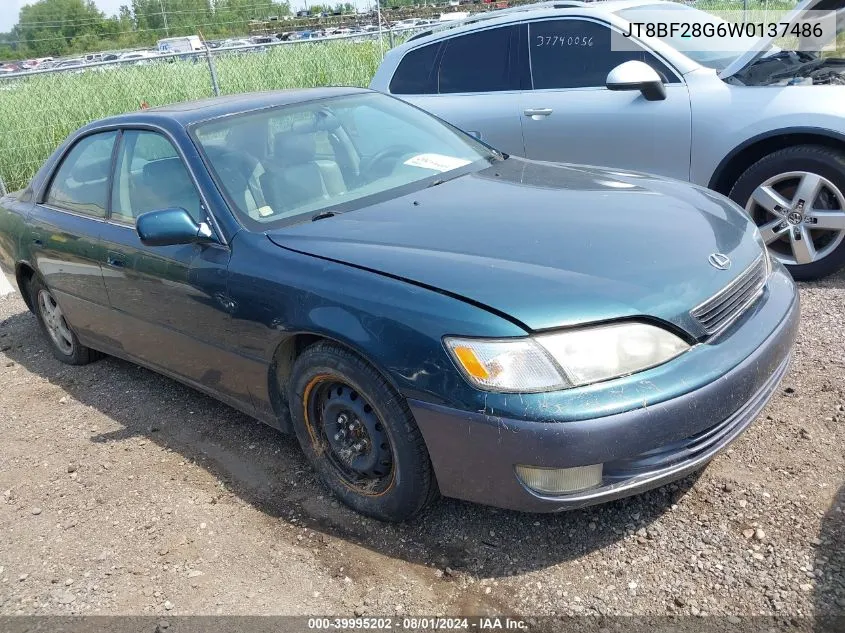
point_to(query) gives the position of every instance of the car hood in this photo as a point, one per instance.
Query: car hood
(545, 244)
(763, 45)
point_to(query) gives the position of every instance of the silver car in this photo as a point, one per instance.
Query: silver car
(765, 126)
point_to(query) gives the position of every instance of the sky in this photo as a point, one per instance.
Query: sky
(9, 10)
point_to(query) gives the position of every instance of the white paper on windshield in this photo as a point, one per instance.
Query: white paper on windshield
(438, 162)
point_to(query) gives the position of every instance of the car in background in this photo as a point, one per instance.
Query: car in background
(426, 314)
(92, 58)
(764, 126)
(71, 63)
(234, 43)
(140, 58)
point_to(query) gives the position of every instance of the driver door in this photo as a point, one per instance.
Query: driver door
(570, 116)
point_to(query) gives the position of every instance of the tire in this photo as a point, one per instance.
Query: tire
(61, 339)
(379, 465)
(804, 232)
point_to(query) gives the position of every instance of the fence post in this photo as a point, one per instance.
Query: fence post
(390, 35)
(3, 191)
(213, 71)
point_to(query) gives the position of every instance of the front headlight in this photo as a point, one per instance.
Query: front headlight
(569, 358)
(767, 254)
(509, 365)
(608, 351)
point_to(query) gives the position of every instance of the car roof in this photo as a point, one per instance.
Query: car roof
(189, 112)
(551, 8)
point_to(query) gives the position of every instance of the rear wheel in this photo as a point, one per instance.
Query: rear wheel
(60, 337)
(796, 196)
(359, 434)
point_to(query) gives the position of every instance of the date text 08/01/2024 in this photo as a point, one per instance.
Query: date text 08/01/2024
(417, 623)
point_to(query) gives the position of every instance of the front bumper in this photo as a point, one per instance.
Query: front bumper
(474, 454)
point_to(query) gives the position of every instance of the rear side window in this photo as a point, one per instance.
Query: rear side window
(415, 74)
(577, 53)
(480, 62)
(81, 181)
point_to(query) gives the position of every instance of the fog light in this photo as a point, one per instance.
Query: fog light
(558, 481)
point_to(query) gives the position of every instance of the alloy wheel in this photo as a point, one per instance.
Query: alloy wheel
(801, 216)
(55, 322)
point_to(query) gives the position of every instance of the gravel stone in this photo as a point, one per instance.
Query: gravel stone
(162, 468)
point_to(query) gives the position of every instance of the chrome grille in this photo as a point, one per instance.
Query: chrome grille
(727, 305)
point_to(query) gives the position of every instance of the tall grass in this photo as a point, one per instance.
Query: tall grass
(38, 112)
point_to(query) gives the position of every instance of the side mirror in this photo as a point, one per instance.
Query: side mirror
(171, 226)
(634, 75)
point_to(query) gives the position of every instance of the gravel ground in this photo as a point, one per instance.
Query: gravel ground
(124, 492)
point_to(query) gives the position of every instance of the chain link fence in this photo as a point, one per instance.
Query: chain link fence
(39, 109)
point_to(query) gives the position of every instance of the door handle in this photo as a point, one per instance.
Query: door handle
(537, 112)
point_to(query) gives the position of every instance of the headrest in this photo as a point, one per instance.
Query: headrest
(166, 174)
(322, 121)
(250, 136)
(294, 149)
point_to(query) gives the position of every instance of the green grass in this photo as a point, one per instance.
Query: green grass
(38, 112)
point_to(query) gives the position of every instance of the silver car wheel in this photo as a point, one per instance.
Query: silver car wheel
(801, 216)
(55, 321)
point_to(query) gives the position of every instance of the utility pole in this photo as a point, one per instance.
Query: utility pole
(164, 15)
(380, 40)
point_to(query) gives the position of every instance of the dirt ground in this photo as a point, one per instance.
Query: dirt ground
(123, 492)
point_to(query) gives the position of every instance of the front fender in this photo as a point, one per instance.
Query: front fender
(396, 326)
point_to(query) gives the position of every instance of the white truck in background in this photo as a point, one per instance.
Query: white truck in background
(186, 44)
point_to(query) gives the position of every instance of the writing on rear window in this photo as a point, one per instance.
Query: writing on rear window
(563, 40)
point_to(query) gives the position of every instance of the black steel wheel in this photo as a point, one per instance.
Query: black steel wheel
(351, 435)
(359, 434)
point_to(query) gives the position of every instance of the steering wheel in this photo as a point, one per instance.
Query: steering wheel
(377, 165)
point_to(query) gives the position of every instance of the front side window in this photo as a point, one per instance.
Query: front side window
(283, 165)
(577, 54)
(81, 181)
(480, 62)
(150, 176)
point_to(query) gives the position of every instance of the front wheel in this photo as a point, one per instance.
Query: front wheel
(796, 196)
(359, 434)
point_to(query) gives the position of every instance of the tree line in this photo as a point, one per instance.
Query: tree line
(53, 28)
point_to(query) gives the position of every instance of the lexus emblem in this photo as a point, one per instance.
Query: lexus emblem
(719, 260)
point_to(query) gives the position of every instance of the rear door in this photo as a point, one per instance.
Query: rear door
(66, 224)
(473, 81)
(170, 304)
(570, 116)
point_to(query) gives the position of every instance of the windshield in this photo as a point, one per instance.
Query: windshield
(294, 163)
(716, 59)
